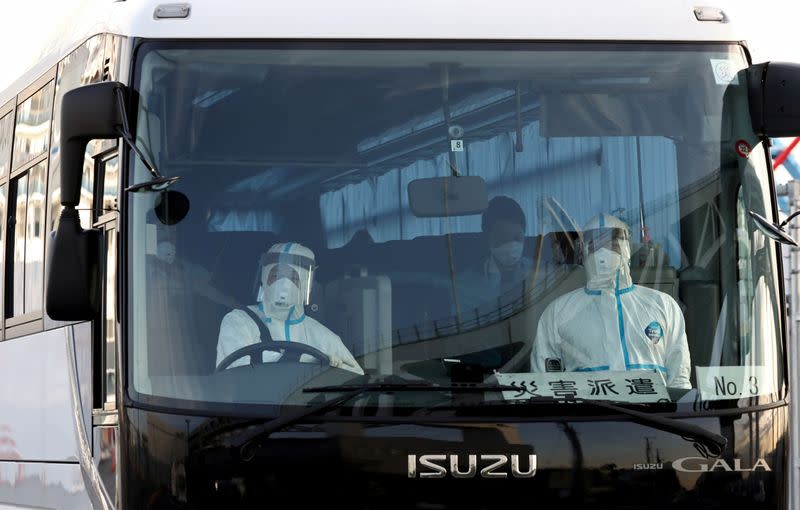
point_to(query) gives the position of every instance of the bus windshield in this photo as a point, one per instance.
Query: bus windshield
(569, 219)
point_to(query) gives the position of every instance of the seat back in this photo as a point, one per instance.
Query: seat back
(359, 308)
(650, 268)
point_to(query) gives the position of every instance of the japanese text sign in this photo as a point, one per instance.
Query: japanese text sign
(625, 386)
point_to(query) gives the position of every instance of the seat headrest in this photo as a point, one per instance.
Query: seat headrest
(565, 246)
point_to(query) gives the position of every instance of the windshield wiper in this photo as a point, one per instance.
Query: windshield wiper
(246, 439)
(713, 444)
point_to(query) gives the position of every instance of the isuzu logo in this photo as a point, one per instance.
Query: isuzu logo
(466, 466)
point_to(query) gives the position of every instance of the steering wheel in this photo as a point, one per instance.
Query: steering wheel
(272, 345)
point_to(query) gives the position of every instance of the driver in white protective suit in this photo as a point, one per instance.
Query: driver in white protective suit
(612, 324)
(286, 279)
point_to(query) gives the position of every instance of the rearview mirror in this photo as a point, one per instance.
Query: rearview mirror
(774, 97)
(447, 196)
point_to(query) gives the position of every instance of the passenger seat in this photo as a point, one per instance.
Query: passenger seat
(358, 307)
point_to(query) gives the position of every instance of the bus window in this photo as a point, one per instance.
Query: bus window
(110, 323)
(3, 208)
(108, 176)
(620, 144)
(32, 132)
(15, 284)
(82, 67)
(6, 125)
(26, 248)
(34, 238)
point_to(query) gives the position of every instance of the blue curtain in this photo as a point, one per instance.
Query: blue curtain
(586, 176)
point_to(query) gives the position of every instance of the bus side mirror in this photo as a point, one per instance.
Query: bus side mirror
(74, 254)
(774, 99)
(73, 270)
(774, 231)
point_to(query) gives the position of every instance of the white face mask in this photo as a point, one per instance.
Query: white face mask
(282, 295)
(602, 264)
(508, 254)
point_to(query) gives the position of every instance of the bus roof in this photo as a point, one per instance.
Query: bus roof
(622, 20)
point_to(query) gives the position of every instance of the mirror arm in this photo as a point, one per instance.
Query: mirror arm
(518, 147)
(125, 133)
(790, 218)
(451, 157)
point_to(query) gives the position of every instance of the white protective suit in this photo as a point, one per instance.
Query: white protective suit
(612, 324)
(286, 277)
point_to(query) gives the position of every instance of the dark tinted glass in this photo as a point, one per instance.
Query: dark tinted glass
(319, 145)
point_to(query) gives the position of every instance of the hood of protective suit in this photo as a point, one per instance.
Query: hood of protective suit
(286, 277)
(607, 265)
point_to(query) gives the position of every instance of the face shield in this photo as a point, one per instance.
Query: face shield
(612, 239)
(286, 279)
(606, 252)
(279, 271)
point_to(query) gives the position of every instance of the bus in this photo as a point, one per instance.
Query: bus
(425, 255)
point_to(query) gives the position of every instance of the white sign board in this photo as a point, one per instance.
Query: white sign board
(718, 383)
(624, 386)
